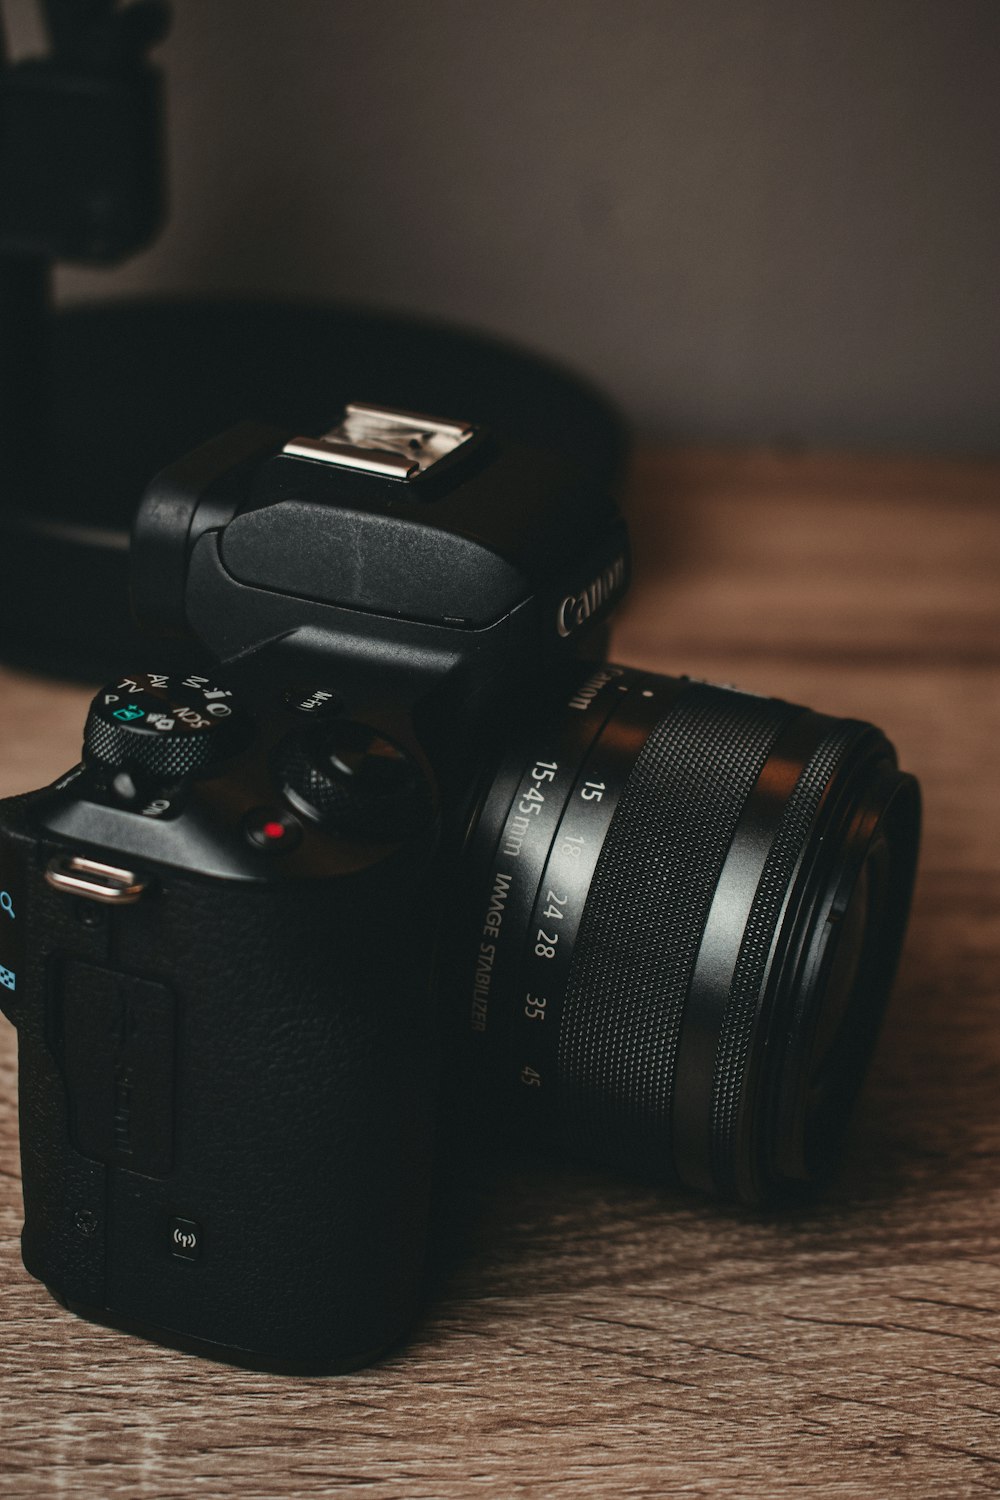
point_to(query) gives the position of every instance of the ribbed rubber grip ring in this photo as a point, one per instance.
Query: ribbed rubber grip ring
(644, 918)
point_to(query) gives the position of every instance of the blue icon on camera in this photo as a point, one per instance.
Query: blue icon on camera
(7, 978)
(128, 713)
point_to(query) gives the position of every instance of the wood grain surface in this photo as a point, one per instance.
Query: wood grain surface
(595, 1336)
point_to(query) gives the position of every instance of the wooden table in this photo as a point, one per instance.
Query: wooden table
(599, 1337)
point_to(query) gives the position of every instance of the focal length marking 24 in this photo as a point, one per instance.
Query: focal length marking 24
(532, 890)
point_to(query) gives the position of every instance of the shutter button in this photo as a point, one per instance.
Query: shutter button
(273, 831)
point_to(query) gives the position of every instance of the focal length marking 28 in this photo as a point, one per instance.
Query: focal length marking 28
(554, 925)
(533, 891)
(514, 856)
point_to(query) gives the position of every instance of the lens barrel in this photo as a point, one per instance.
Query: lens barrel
(686, 905)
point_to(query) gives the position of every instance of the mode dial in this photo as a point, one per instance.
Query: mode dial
(166, 726)
(352, 781)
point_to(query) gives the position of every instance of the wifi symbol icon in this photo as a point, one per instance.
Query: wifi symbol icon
(185, 1239)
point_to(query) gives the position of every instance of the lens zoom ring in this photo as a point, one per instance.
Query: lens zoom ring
(644, 919)
(744, 993)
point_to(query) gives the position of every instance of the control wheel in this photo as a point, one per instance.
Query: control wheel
(351, 780)
(165, 726)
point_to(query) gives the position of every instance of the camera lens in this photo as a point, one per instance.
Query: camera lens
(684, 907)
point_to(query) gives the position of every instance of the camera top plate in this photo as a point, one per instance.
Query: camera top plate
(479, 553)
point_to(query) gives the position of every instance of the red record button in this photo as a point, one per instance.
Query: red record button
(274, 832)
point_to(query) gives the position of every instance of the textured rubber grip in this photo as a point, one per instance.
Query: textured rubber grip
(298, 1133)
(644, 919)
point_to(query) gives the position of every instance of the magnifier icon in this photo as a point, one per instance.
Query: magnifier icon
(6, 903)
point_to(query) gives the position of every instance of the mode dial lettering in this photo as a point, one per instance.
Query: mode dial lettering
(163, 725)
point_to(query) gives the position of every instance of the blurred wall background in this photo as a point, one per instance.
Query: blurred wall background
(750, 220)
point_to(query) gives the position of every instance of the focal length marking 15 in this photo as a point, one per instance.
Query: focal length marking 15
(557, 913)
(516, 868)
(554, 924)
(515, 835)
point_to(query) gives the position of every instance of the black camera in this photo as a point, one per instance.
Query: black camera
(402, 810)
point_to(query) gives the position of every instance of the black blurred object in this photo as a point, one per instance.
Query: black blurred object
(95, 400)
(82, 174)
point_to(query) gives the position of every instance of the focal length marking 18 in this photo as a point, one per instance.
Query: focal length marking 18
(565, 886)
(520, 850)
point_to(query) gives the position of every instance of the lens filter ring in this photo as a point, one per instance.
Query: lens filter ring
(845, 932)
(711, 1106)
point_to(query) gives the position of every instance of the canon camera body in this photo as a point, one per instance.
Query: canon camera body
(218, 929)
(401, 804)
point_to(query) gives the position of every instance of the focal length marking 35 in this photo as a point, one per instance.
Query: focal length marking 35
(547, 830)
